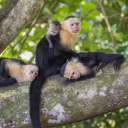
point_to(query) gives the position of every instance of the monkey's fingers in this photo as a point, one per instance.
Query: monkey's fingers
(50, 46)
(116, 66)
(100, 66)
(66, 82)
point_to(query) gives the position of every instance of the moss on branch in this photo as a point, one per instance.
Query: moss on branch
(79, 101)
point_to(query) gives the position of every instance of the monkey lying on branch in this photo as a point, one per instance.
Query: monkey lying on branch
(15, 70)
(80, 68)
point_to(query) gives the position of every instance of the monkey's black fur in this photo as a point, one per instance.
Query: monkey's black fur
(99, 58)
(69, 17)
(92, 59)
(49, 64)
(5, 79)
(55, 22)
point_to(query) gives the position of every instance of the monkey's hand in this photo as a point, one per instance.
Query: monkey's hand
(116, 66)
(100, 66)
(66, 82)
(50, 46)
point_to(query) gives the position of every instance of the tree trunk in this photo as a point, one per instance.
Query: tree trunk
(107, 92)
(14, 17)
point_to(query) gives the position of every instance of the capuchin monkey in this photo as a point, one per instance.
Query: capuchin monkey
(52, 30)
(49, 63)
(81, 69)
(15, 70)
(75, 70)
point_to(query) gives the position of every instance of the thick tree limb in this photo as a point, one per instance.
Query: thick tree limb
(106, 92)
(7, 8)
(19, 14)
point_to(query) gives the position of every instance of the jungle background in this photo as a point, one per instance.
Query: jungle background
(104, 28)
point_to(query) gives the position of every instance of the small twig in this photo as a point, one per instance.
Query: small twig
(89, 12)
(108, 25)
(22, 44)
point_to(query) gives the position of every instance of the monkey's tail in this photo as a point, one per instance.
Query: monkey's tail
(8, 82)
(34, 95)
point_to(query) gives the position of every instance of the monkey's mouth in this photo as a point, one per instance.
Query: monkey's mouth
(32, 78)
(75, 31)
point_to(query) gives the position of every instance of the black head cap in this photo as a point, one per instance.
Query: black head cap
(69, 17)
(56, 22)
(62, 70)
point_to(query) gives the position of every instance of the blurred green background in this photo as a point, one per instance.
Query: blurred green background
(94, 36)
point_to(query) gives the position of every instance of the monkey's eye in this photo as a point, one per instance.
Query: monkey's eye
(77, 23)
(73, 73)
(31, 72)
(72, 24)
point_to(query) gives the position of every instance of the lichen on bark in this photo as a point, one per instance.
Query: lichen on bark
(60, 104)
(18, 16)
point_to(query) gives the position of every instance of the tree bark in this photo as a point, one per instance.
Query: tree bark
(14, 17)
(107, 92)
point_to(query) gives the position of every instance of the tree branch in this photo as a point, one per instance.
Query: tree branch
(108, 25)
(89, 12)
(108, 91)
(16, 20)
(7, 8)
(25, 37)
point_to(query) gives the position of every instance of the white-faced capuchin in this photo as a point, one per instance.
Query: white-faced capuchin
(52, 30)
(81, 69)
(49, 63)
(15, 70)
(75, 70)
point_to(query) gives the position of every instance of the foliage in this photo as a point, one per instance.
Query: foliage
(94, 36)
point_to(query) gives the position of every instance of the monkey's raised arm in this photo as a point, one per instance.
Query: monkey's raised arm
(100, 59)
(118, 58)
(49, 41)
(68, 54)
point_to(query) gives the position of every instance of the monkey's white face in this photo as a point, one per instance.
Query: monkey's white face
(72, 74)
(32, 73)
(75, 75)
(53, 33)
(54, 30)
(74, 25)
